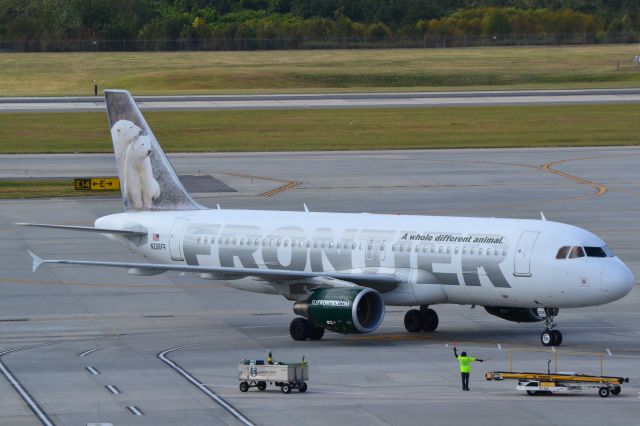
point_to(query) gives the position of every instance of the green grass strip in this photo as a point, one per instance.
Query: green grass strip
(330, 129)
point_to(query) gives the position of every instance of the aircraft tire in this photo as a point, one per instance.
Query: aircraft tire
(300, 329)
(429, 320)
(557, 337)
(546, 338)
(316, 333)
(413, 321)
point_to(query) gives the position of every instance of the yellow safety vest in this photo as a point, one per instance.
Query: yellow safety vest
(465, 363)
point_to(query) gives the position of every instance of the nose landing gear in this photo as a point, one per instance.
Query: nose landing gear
(424, 319)
(549, 336)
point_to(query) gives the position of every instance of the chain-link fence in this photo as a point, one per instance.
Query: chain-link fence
(304, 43)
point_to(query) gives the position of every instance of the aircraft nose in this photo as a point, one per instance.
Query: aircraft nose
(618, 281)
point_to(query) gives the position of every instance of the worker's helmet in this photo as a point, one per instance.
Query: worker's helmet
(464, 354)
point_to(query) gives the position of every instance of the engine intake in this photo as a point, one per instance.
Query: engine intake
(349, 310)
(515, 314)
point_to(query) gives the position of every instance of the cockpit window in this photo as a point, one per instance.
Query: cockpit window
(608, 251)
(595, 252)
(576, 251)
(563, 252)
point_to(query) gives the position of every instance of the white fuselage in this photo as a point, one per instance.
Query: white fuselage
(480, 261)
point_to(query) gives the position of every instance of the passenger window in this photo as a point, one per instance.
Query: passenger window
(595, 252)
(563, 252)
(286, 243)
(576, 251)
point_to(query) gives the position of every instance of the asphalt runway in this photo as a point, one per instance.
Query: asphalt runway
(335, 100)
(99, 345)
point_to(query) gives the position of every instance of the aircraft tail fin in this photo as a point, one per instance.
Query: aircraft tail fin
(148, 181)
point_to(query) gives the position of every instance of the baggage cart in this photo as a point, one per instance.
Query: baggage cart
(287, 376)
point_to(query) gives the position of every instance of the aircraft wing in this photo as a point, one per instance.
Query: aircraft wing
(271, 275)
(127, 232)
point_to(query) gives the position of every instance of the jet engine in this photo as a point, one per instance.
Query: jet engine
(347, 310)
(515, 314)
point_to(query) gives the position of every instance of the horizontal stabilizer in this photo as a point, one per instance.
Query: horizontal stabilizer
(140, 232)
(36, 261)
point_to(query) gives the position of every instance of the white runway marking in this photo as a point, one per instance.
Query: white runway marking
(85, 353)
(33, 405)
(134, 410)
(114, 390)
(210, 393)
(92, 370)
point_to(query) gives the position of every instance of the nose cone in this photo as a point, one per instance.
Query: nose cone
(617, 280)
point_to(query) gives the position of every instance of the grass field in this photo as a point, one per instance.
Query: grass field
(66, 74)
(345, 129)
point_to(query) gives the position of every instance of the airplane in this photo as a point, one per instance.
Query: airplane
(341, 270)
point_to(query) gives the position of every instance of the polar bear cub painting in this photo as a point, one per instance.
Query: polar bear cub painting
(133, 151)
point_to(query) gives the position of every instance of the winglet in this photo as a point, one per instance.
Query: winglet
(542, 216)
(37, 261)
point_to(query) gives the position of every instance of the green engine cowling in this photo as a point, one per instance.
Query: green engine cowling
(347, 310)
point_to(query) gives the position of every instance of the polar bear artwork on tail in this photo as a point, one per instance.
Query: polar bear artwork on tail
(133, 151)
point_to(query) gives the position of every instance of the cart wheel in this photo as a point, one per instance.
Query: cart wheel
(603, 392)
(244, 386)
(286, 388)
(262, 385)
(531, 393)
(303, 387)
(616, 390)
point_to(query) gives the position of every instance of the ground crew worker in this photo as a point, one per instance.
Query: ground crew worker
(465, 367)
(270, 358)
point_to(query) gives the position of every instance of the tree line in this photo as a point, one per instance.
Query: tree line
(42, 20)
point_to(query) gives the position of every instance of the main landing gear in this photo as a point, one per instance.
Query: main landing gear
(549, 336)
(303, 329)
(425, 319)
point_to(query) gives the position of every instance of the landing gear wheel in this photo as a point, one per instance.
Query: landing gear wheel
(303, 387)
(300, 329)
(413, 321)
(557, 337)
(547, 338)
(429, 320)
(616, 390)
(262, 385)
(244, 386)
(316, 333)
(286, 388)
(603, 392)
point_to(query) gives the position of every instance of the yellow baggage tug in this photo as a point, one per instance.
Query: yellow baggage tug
(547, 383)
